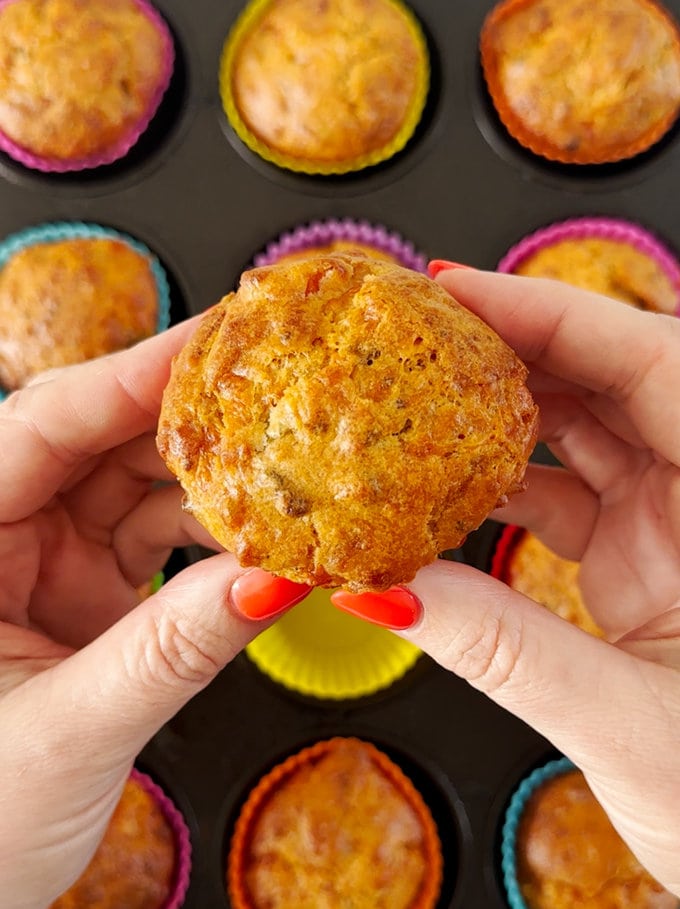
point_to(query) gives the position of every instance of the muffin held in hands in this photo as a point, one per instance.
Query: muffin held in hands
(340, 421)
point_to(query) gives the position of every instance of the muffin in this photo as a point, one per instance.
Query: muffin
(80, 80)
(71, 292)
(337, 824)
(526, 564)
(325, 87)
(323, 237)
(561, 851)
(340, 421)
(605, 255)
(143, 859)
(583, 81)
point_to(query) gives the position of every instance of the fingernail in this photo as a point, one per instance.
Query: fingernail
(396, 608)
(257, 594)
(437, 265)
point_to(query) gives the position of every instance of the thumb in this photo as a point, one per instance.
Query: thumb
(114, 694)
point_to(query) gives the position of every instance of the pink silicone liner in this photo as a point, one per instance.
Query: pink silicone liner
(605, 228)
(321, 233)
(125, 143)
(181, 832)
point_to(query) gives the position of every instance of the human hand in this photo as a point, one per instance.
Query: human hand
(606, 379)
(87, 676)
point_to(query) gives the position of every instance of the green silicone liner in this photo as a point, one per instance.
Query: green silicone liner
(54, 232)
(512, 818)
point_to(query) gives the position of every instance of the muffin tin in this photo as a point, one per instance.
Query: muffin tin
(462, 189)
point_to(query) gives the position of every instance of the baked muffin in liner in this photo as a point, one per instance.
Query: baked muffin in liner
(559, 849)
(111, 860)
(326, 89)
(583, 81)
(524, 563)
(60, 72)
(326, 780)
(320, 651)
(611, 256)
(76, 230)
(343, 235)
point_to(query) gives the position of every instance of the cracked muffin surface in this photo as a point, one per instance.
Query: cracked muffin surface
(340, 421)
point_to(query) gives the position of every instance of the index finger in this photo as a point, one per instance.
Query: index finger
(602, 345)
(48, 428)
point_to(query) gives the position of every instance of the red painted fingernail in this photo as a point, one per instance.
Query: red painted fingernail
(396, 608)
(437, 265)
(257, 594)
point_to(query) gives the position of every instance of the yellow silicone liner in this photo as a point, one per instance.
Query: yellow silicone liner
(258, 798)
(317, 650)
(248, 20)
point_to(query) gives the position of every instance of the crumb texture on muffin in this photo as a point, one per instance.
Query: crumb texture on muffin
(76, 75)
(569, 856)
(610, 267)
(583, 81)
(328, 81)
(72, 300)
(134, 864)
(341, 421)
(343, 828)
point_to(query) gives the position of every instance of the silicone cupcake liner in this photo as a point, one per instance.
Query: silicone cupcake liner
(182, 839)
(512, 818)
(242, 27)
(508, 540)
(323, 233)
(542, 146)
(124, 144)
(75, 230)
(317, 650)
(602, 228)
(283, 771)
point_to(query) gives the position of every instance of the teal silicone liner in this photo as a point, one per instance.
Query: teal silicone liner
(512, 818)
(53, 232)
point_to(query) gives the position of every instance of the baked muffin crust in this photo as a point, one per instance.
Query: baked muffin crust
(328, 81)
(71, 300)
(610, 267)
(341, 421)
(76, 76)
(583, 81)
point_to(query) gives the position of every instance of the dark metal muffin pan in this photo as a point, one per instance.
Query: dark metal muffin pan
(463, 190)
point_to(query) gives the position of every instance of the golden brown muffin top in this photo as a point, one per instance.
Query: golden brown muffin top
(327, 80)
(538, 573)
(337, 833)
(76, 76)
(610, 267)
(341, 421)
(341, 246)
(133, 867)
(69, 301)
(569, 856)
(583, 80)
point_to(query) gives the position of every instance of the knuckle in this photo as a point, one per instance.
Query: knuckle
(179, 654)
(488, 654)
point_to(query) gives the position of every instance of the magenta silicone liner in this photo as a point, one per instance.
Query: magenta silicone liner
(321, 233)
(604, 228)
(123, 146)
(182, 841)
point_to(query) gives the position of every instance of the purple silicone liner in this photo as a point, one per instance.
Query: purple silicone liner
(123, 146)
(321, 233)
(182, 840)
(604, 228)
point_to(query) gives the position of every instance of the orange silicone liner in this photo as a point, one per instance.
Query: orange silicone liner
(247, 21)
(257, 800)
(541, 145)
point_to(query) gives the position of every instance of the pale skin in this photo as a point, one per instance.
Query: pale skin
(82, 525)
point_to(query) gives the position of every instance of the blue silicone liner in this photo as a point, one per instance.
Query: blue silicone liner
(54, 232)
(513, 815)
